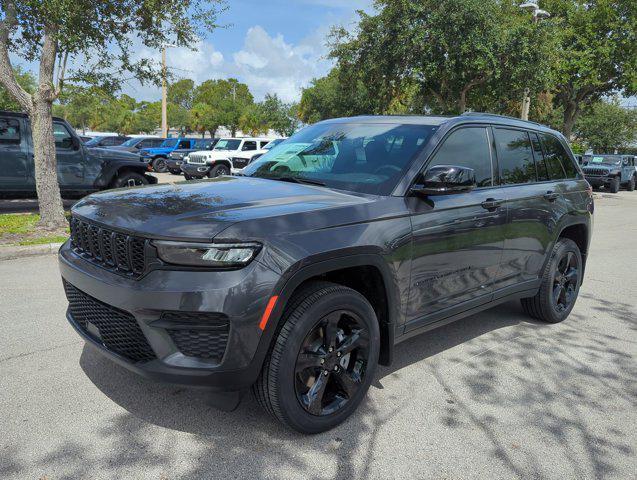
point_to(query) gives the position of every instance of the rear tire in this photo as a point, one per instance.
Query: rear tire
(187, 177)
(560, 285)
(630, 186)
(174, 172)
(130, 179)
(308, 382)
(614, 185)
(219, 171)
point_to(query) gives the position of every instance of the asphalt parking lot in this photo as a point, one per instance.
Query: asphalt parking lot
(492, 396)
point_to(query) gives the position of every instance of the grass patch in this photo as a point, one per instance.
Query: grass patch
(13, 223)
(22, 229)
(41, 240)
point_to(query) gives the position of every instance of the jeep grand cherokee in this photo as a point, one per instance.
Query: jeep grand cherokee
(299, 277)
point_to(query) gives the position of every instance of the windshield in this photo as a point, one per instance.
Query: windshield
(227, 144)
(360, 157)
(131, 143)
(93, 141)
(612, 159)
(169, 142)
(273, 143)
(203, 144)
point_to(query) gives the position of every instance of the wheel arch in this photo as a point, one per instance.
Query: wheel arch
(579, 233)
(366, 273)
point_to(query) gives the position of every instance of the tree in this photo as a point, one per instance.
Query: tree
(205, 118)
(598, 53)
(181, 93)
(279, 116)
(228, 99)
(26, 81)
(443, 55)
(100, 39)
(254, 120)
(606, 126)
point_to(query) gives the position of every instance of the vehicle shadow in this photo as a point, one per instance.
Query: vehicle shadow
(560, 382)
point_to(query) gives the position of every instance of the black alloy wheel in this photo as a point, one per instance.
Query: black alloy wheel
(219, 171)
(332, 362)
(565, 281)
(560, 284)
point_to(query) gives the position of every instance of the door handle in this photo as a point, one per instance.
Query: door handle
(492, 204)
(551, 196)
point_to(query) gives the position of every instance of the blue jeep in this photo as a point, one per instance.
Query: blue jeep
(610, 171)
(158, 156)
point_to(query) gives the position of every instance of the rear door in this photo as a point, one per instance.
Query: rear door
(534, 188)
(70, 159)
(15, 163)
(457, 239)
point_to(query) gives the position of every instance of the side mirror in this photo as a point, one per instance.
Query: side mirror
(446, 180)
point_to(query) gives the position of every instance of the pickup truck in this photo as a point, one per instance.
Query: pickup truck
(157, 157)
(81, 170)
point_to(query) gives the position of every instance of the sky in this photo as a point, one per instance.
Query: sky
(276, 46)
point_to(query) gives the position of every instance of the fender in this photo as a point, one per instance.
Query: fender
(295, 276)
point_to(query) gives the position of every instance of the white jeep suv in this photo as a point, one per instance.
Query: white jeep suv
(218, 161)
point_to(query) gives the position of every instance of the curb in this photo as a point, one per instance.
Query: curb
(11, 252)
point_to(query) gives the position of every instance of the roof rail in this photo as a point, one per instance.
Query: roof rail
(481, 114)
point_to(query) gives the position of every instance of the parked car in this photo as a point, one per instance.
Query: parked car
(243, 159)
(176, 158)
(217, 162)
(299, 277)
(135, 144)
(103, 141)
(610, 171)
(157, 157)
(84, 138)
(80, 169)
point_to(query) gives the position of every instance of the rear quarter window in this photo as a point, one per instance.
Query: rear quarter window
(556, 154)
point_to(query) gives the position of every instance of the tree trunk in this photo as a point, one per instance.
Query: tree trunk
(46, 177)
(570, 116)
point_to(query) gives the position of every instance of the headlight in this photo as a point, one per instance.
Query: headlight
(186, 158)
(220, 255)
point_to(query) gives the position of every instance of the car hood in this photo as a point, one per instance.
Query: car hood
(156, 150)
(198, 211)
(111, 154)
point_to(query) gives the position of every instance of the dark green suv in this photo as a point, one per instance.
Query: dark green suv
(80, 170)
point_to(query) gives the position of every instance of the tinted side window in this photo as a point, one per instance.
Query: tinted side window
(557, 159)
(542, 172)
(109, 141)
(515, 156)
(9, 131)
(62, 136)
(184, 144)
(249, 145)
(468, 147)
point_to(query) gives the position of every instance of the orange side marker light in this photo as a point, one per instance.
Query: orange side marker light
(268, 311)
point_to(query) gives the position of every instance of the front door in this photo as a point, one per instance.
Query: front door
(457, 239)
(70, 159)
(14, 160)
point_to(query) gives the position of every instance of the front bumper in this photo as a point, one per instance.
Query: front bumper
(174, 163)
(240, 296)
(597, 181)
(195, 170)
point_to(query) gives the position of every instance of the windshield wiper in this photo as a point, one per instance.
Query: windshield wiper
(298, 180)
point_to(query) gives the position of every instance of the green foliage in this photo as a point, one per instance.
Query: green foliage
(253, 120)
(26, 81)
(181, 93)
(227, 98)
(606, 126)
(279, 116)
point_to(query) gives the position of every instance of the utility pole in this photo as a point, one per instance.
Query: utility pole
(164, 108)
(537, 14)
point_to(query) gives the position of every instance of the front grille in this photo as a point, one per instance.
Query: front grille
(121, 253)
(198, 334)
(238, 162)
(116, 329)
(197, 158)
(595, 172)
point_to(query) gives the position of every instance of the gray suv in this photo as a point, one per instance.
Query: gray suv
(611, 171)
(297, 278)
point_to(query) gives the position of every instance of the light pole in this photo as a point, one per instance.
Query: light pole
(164, 109)
(537, 14)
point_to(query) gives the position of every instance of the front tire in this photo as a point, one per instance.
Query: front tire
(160, 165)
(130, 179)
(560, 284)
(323, 359)
(218, 171)
(614, 185)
